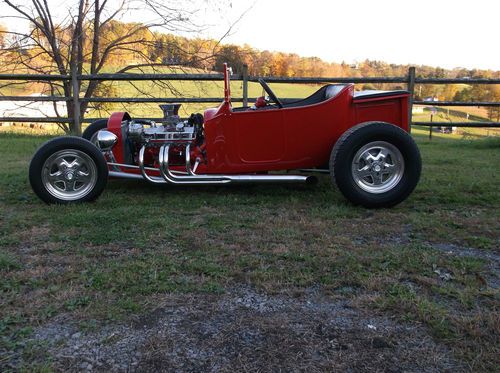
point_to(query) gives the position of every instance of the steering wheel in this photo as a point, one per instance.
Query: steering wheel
(270, 93)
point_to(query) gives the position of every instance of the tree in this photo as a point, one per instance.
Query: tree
(449, 91)
(494, 95)
(89, 37)
(232, 55)
(3, 32)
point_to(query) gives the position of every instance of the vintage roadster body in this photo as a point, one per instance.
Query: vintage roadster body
(360, 137)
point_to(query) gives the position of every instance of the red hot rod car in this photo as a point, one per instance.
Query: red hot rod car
(362, 137)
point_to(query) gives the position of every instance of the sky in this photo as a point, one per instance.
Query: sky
(443, 33)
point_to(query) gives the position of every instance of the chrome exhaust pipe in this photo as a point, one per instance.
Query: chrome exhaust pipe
(190, 178)
(235, 179)
(125, 175)
(167, 174)
(222, 179)
(154, 180)
(188, 160)
(119, 166)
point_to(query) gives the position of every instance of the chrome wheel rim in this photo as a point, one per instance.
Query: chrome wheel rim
(69, 174)
(377, 167)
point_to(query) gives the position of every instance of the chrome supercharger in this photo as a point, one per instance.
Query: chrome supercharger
(173, 132)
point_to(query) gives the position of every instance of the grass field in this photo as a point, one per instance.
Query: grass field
(427, 269)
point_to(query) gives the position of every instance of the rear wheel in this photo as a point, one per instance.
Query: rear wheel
(375, 164)
(68, 170)
(90, 132)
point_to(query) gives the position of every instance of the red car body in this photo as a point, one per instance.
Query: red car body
(361, 137)
(269, 139)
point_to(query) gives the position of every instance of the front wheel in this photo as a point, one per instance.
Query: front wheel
(68, 170)
(375, 164)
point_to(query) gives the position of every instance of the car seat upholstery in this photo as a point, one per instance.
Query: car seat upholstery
(324, 93)
(333, 90)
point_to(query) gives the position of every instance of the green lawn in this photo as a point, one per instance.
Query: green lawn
(110, 260)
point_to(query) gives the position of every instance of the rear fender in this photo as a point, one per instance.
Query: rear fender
(383, 108)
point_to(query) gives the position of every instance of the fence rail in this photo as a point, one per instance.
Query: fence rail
(410, 80)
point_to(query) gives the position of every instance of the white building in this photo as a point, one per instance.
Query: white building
(32, 108)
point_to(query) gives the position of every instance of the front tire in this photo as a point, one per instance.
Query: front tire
(68, 170)
(375, 164)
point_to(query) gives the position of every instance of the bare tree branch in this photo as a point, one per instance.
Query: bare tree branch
(91, 35)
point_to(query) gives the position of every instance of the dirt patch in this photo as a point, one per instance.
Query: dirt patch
(491, 278)
(244, 330)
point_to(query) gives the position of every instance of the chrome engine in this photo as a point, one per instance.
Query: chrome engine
(141, 132)
(171, 129)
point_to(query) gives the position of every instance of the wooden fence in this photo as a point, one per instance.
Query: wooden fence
(410, 80)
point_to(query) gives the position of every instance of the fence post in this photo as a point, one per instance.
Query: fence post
(430, 128)
(245, 85)
(411, 88)
(77, 127)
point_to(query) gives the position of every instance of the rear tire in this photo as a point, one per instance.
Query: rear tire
(68, 170)
(90, 132)
(375, 164)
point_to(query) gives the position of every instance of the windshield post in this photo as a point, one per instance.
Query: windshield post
(227, 88)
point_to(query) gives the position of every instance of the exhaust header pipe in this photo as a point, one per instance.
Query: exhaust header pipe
(190, 178)
(194, 179)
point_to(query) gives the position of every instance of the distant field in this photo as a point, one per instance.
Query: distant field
(196, 89)
(480, 111)
(464, 132)
(460, 133)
